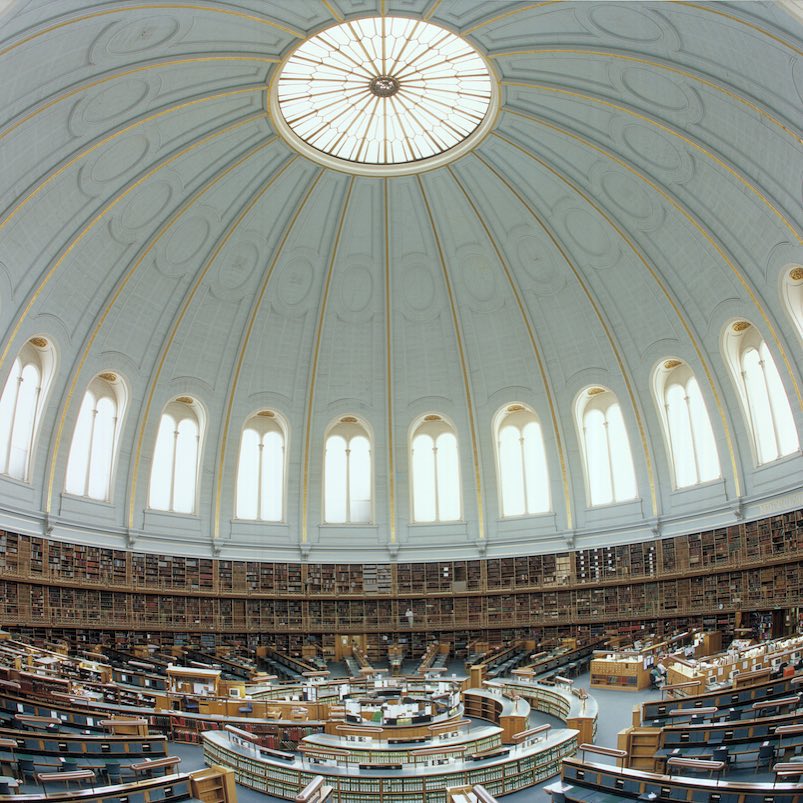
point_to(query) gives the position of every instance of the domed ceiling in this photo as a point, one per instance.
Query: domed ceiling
(635, 190)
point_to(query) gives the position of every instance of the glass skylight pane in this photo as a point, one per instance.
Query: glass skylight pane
(401, 90)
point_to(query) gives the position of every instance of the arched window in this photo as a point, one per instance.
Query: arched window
(792, 293)
(22, 403)
(766, 406)
(348, 474)
(95, 438)
(174, 473)
(606, 448)
(435, 468)
(687, 428)
(521, 462)
(260, 472)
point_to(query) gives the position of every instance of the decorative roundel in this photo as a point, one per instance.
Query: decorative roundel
(384, 95)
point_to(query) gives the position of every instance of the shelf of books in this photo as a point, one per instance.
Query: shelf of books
(520, 768)
(703, 578)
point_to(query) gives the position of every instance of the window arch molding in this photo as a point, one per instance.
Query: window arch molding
(261, 495)
(22, 404)
(436, 487)
(792, 295)
(522, 470)
(763, 397)
(92, 460)
(608, 465)
(177, 455)
(348, 492)
(688, 434)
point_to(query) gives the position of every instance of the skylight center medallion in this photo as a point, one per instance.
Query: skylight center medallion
(384, 86)
(384, 96)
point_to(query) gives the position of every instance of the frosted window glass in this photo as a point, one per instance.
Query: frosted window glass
(186, 467)
(162, 469)
(335, 480)
(423, 478)
(78, 462)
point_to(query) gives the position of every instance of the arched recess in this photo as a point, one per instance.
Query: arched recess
(22, 404)
(792, 296)
(177, 457)
(93, 450)
(348, 476)
(691, 446)
(765, 405)
(521, 464)
(435, 486)
(262, 468)
(607, 457)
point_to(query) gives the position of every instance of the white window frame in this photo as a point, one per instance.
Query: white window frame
(107, 384)
(668, 372)
(179, 409)
(602, 399)
(738, 337)
(262, 422)
(518, 415)
(434, 424)
(349, 427)
(41, 354)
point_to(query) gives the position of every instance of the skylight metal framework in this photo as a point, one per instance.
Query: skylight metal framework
(384, 91)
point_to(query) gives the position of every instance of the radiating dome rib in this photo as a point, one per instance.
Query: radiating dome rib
(632, 199)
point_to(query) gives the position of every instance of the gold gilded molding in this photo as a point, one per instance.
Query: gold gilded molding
(43, 182)
(667, 129)
(433, 7)
(256, 303)
(529, 328)
(108, 376)
(796, 274)
(703, 230)
(711, 9)
(606, 328)
(389, 371)
(515, 408)
(229, 230)
(266, 414)
(670, 364)
(150, 7)
(348, 419)
(432, 417)
(39, 342)
(741, 326)
(458, 333)
(335, 14)
(653, 272)
(155, 65)
(612, 54)
(314, 365)
(596, 391)
(520, 9)
(185, 400)
(110, 302)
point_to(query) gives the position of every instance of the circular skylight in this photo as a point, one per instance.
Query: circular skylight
(383, 92)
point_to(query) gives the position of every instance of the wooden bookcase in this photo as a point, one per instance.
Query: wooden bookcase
(619, 673)
(702, 579)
